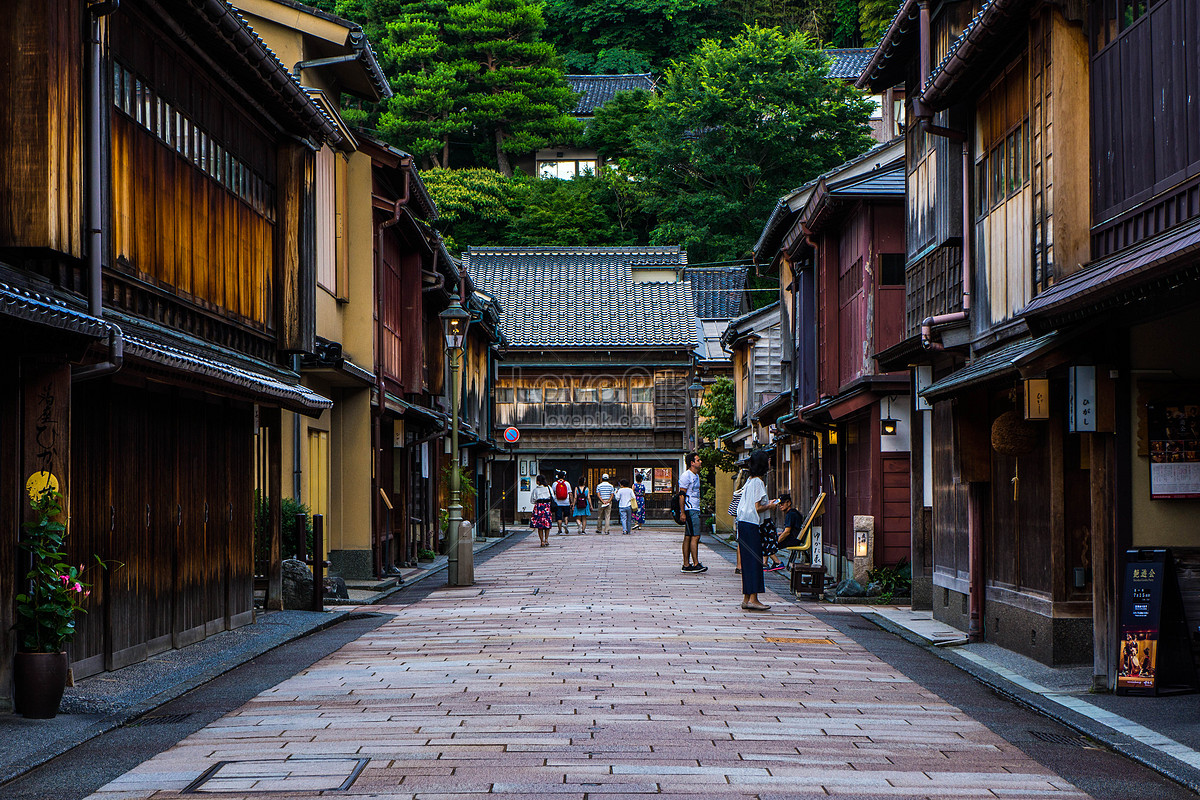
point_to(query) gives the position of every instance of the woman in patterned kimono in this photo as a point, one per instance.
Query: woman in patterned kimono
(541, 519)
(639, 495)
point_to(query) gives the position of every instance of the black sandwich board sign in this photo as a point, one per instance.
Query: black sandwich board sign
(1154, 652)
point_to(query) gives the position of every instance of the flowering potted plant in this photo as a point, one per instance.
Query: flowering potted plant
(54, 593)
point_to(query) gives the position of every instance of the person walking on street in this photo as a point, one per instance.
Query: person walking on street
(625, 502)
(751, 508)
(540, 521)
(639, 495)
(583, 505)
(562, 502)
(689, 487)
(740, 481)
(604, 494)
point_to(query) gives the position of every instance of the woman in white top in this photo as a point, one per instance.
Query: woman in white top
(752, 506)
(625, 500)
(541, 520)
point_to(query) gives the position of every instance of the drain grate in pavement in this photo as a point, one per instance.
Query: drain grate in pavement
(275, 775)
(161, 719)
(1058, 738)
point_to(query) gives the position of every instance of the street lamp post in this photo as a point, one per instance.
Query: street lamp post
(455, 321)
(696, 396)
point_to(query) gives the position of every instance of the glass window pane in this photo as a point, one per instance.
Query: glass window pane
(643, 394)
(504, 395)
(525, 395)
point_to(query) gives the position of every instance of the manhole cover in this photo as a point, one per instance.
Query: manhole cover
(161, 719)
(1058, 738)
(274, 775)
(794, 640)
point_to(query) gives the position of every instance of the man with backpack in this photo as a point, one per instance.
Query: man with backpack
(560, 493)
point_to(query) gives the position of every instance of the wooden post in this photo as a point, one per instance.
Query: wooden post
(1104, 574)
(318, 563)
(271, 420)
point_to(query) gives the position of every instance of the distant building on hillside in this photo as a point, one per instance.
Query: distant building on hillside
(594, 91)
(887, 117)
(599, 358)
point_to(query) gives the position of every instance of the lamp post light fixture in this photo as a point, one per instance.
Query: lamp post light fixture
(455, 321)
(889, 424)
(696, 397)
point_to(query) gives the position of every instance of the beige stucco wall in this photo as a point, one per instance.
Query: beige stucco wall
(1165, 344)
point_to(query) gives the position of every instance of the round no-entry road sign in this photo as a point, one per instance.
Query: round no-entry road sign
(511, 435)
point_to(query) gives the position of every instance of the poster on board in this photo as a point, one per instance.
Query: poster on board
(1174, 434)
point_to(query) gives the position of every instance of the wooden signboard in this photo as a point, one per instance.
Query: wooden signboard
(1154, 653)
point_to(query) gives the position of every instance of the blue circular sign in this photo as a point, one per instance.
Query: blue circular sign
(511, 435)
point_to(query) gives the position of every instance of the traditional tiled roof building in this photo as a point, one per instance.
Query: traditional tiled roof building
(600, 344)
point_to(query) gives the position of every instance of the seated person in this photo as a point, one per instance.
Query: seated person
(792, 522)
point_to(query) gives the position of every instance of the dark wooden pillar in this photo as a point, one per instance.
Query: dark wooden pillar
(45, 424)
(270, 418)
(1104, 562)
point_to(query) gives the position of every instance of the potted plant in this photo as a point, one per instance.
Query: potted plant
(54, 594)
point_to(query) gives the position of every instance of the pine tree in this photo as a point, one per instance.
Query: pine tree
(429, 79)
(516, 91)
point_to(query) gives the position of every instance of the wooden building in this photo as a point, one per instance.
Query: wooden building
(599, 352)
(156, 240)
(841, 422)
(330, 457)
(996, 214)
(1133, 309)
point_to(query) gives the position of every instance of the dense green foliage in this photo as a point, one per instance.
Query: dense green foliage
(733, 128)
(745, 112)
(483, 207)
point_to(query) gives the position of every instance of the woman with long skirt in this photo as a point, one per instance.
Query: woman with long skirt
(639, 497)
(541, 520)
(752, 506)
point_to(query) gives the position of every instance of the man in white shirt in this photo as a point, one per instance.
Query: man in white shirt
(625, 500)
(689, 487)
(560, 494)
(604, 492)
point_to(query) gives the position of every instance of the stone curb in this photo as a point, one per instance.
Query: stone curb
(1144, 754)
(9, 772)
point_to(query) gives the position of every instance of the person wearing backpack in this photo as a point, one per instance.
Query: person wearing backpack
(583, 505)
(561, 492)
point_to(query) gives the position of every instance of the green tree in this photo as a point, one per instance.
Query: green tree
(475, 206)
(483, 207)
(427, 77)
(611, 36)
(735, 126)
(717, 418)
(516, 92)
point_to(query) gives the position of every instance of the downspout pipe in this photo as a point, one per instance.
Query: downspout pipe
(927, 324)
(95, 202)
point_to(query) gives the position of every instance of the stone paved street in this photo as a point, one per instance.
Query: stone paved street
(594, 668)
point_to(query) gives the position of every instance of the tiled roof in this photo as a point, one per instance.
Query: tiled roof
(576, 297)
(718, 290)
(43, 310)
(596, 90)
(847, 64)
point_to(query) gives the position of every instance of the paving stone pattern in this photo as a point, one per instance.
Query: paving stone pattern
(594, 668)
